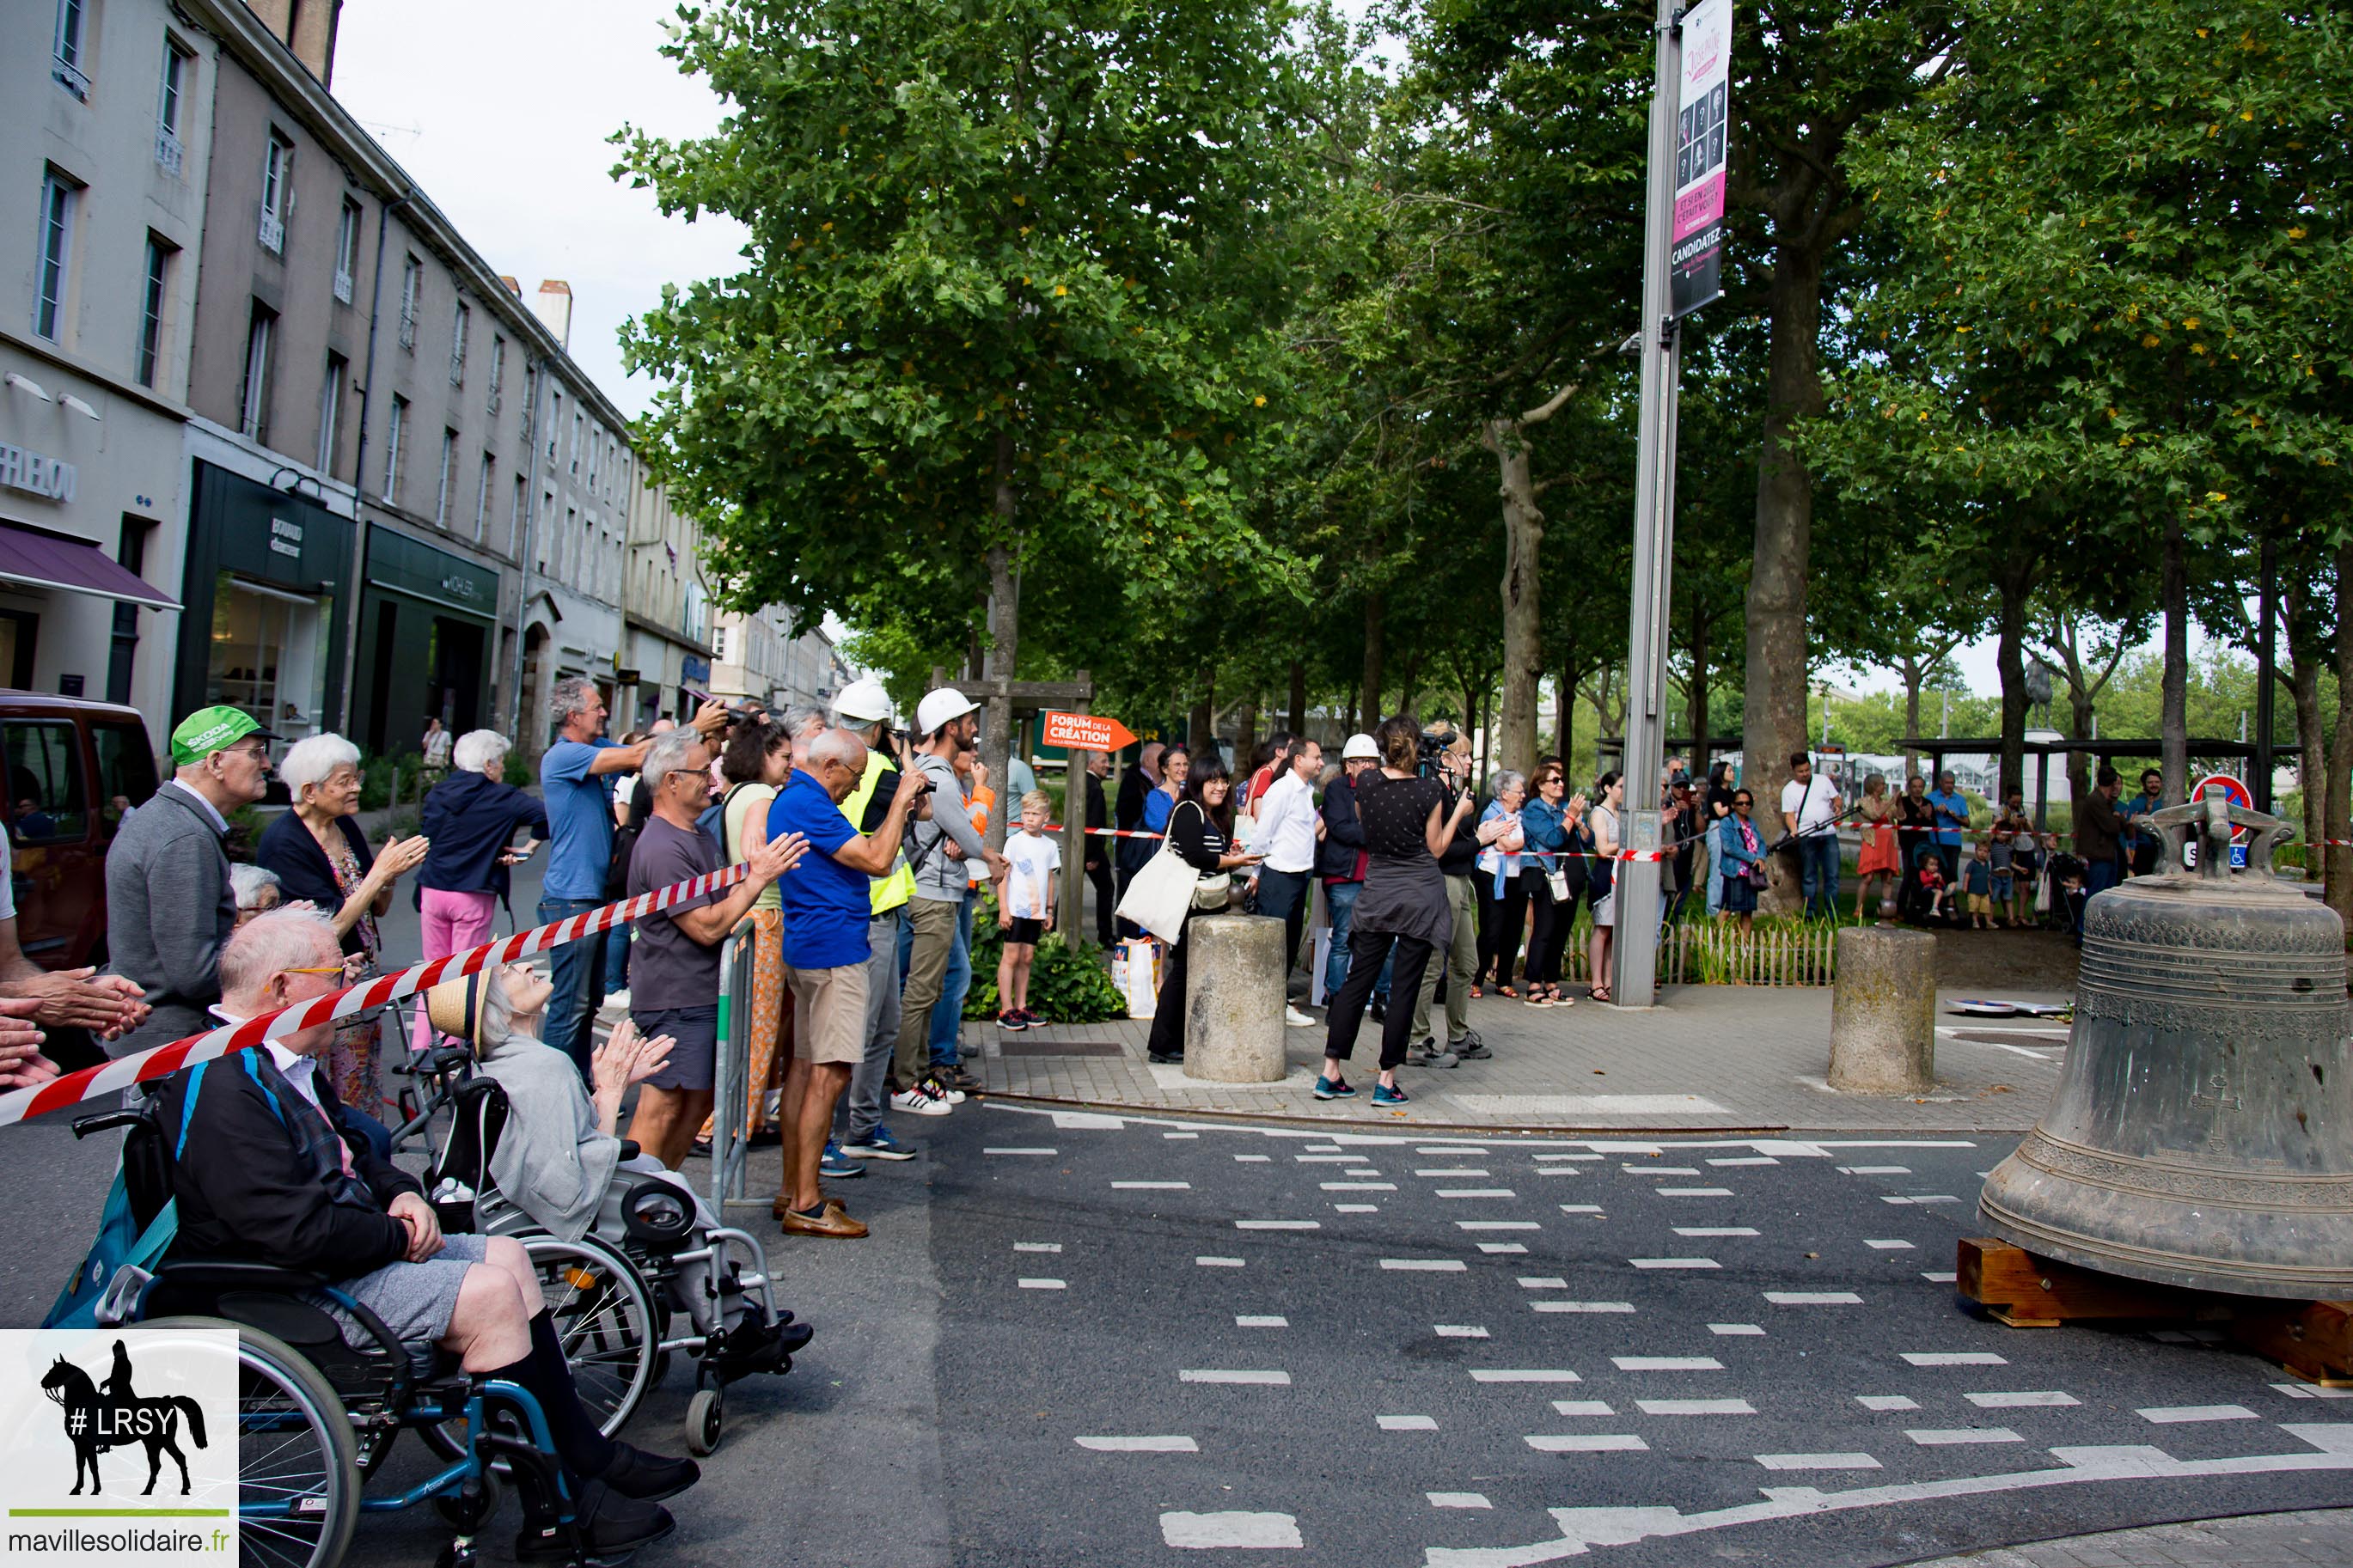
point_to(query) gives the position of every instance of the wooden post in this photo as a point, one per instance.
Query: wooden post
(1074, 834)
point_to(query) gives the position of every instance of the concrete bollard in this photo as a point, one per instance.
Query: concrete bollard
(1884, 1011)
(1233, 1000)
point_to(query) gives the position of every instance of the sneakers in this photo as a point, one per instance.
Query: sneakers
(876, 1145)
(915, 1101)
(826, 1221)
(1385, 1095)
(1428, 1055)
(833, 1163)
(1297, 1019)
(615, 999)
(1326, 1089)
(1013, 1020)
(933, 1086)
(1165, 1058)
(1470, 1047)
(1028, 1020)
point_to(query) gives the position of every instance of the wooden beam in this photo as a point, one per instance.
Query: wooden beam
(2025, 1291)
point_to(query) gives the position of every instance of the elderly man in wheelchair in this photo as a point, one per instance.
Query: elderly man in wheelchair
(533, 1150)
(267, 1171)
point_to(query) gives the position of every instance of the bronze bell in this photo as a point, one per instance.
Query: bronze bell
(2201, 1134)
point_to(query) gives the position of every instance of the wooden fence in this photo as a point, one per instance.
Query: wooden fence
(1706, 952)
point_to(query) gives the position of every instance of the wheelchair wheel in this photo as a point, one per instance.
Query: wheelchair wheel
(297, 1466)
(605, 1318)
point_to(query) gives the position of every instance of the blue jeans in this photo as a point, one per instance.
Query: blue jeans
(577, 971)
(1819, 857)
(2098, 877)
(947, 1017)
(616, 960)
(1340, 899)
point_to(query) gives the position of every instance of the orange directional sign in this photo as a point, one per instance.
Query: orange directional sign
(1084, 733)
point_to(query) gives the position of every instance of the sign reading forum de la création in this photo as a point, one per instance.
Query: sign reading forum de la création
(119, 1446)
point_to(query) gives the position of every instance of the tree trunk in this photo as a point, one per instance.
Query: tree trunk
(1914, 673)
(1775, 690)
(1298, 698)
(1004, 639)
(1565, 741)
(2079, 763)
(1246, 729)
(2337, 819)
(2306, 654)
(1410, 687)
(1522, 577)
(1201, 727)
(2174, 733)
(2010, 658)
(1374, 608)
(1695, 695)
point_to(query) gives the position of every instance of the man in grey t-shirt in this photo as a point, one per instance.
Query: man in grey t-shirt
(946, 721)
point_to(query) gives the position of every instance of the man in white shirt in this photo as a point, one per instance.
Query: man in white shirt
(1808, 807)
(1288, 827)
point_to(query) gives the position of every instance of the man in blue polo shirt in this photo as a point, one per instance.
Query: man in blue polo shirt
(575, 775)
(1950, 810)
(827, 903)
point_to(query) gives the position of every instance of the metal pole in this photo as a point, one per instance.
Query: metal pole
(2266, 626)
(1635, 968)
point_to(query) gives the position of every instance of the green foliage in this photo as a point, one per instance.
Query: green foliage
(1067, 984)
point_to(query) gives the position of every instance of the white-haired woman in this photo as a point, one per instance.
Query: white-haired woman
(257, 891)
(470, 818)
(320, 854)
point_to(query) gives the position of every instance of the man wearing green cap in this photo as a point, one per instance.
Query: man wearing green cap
(169, 906)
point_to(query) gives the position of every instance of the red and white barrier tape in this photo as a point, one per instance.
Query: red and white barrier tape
(110, 1077)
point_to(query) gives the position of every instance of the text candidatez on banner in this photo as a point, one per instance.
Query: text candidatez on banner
(1696, 252)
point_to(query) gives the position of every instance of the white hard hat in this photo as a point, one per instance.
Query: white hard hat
(1360, 746)
(937, 708)
(864, 702)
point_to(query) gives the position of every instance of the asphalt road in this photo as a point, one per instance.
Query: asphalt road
(1091, 1340)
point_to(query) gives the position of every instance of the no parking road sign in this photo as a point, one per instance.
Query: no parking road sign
(2240, 796)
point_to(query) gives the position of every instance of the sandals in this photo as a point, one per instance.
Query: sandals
(1598, 993)
(1475, 992)
(1505, 992)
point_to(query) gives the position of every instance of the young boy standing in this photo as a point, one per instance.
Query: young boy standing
(1032, 859)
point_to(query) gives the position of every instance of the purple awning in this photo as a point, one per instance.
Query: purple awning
(45, 561)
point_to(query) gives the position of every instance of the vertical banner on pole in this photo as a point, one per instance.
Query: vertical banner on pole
(1696, 252)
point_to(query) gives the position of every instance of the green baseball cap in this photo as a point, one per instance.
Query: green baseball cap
(209, 730)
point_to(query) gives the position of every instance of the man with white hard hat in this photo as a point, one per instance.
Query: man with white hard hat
(864, 708)
(944, 720)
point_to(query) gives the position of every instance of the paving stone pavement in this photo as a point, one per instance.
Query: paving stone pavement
(1709, 1057)
(2258, 1540)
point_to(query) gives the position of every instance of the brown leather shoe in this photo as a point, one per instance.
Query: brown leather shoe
(778, 1208)
(828, 1222)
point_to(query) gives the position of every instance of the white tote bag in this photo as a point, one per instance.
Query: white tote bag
(1158, 896)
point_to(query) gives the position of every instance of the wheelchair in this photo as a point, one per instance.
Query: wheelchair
(320, 1408)
(666, 1281)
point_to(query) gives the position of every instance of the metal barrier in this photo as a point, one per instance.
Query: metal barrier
(731, 1072)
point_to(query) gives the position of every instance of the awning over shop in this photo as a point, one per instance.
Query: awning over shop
(45, 561)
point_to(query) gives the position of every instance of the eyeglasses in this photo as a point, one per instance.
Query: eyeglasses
(313, 969)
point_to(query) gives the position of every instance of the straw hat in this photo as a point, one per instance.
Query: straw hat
(454, 1007)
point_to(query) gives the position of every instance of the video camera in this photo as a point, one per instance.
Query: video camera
(1429, 753)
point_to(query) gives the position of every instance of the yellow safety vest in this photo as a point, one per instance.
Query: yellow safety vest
(891, 891)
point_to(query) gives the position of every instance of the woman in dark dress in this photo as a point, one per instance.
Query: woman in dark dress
(1403, 906)
(1200, 828)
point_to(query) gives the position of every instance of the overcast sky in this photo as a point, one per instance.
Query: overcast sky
(499, 108)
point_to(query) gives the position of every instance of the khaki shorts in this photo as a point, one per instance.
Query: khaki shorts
(830, 1013)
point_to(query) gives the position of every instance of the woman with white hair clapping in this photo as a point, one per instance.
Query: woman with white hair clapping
(471, 817)
(320, 854)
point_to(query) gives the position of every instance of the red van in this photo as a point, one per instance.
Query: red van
(71, 768)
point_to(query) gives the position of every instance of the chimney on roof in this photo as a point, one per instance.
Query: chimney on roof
(513, 286)
(554, 307)
(306, 26)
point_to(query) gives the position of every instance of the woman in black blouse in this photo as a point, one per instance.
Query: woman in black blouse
(1200, 828)
(1404, 904)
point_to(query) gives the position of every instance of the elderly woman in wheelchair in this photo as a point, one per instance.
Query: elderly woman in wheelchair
(537, 1149)
(291, 1226)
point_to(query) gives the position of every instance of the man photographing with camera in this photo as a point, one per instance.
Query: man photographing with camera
(1446, 757)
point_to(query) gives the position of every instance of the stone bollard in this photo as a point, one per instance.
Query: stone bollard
(1884, 1011)
(1233, 1001)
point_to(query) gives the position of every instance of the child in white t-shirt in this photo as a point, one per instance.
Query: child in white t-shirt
(1028, 908)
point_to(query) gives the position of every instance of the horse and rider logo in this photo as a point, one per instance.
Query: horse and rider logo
(114, 1416)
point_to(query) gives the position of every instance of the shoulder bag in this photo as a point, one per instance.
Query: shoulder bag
(1161, 891)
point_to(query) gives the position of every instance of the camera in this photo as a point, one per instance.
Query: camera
(1429, 753)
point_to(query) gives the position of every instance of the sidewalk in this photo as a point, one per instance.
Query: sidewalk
(2249, 1540)
(1709, 1057)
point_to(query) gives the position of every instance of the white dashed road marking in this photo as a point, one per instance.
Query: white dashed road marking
(1522, 1375)
(2030, 1399)
(1476, 1192)
(1497, 1225)
(1889, 1246)
(1954, 1358)
(1818, 1461)
(1583, 1407)
(1407, 1423)
(1044, 1285)
(1458, 1499)
(1036, 1247)
(2167, 1415)
(1218, 1262)
(1699, 1230)
(1582, 1306)
(1020, 1151)
(1955, 1437)
(1733, 1329)
(1813, 1297)
(1694, 1191)
(1425, 1264)
(1152, 1186)
(1264, 1379)
(1695, 1407)
(1278, 1225)
(1674, 1263)
(1886, 1402)
(1459, 1331)
(1229, 1529)
(1451, 1171)
(1667, 1363)
(1261, 1322)
(1140, 1445)
(1590, 1443)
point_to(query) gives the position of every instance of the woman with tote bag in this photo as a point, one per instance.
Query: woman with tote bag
(1200, 828)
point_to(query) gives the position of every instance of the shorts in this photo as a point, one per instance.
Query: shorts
(830, 1013)
(695, 1057)
(1024, 931)
(1605, 909)
(415, 1300)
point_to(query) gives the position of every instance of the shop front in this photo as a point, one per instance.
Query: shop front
(266, 613)
(428, 628)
